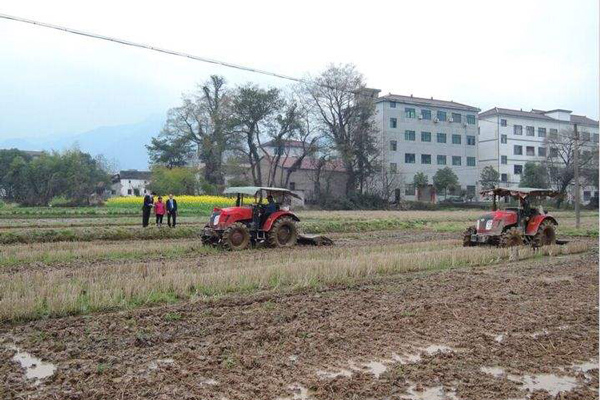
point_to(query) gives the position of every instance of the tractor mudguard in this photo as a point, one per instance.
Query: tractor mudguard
(535, 221)
(276, 215)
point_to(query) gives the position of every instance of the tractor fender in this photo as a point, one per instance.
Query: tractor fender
(275, 216)
(535, 222)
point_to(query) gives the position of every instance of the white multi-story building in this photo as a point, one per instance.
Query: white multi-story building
(510, 138)
(424, 135)
(130, 183)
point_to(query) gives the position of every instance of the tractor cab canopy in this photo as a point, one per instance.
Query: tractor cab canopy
(259, 193)
(520, 193)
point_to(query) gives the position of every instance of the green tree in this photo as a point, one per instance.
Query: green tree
(534, 176)
(168, 151)
(445, 179)
(489, 177)
(176, 180)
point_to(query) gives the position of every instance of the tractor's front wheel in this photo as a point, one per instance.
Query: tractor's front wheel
(283, 233)
(511, 237)
(467, 236)
(545, 236)
(236, 237)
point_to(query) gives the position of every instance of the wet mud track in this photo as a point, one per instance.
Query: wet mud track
(517, 331)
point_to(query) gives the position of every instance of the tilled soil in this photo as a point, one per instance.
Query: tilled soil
(425, 335)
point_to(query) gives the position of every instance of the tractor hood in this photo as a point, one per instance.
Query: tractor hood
(496, 220)
(223, 217)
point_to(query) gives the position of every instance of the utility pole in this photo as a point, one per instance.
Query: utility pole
(576, 167)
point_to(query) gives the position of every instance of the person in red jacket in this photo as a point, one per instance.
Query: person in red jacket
(159, 209)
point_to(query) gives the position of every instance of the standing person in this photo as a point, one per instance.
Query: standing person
(146, 208)
(171, 210)
(159, 210)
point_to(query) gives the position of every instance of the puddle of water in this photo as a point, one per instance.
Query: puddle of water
(551, 383)
(495, 371)
(154, 364)
(376, 368)
(300, 393)
(334, 374)
(34, 367)
(434, 393)
(434, 348)
(407, 359)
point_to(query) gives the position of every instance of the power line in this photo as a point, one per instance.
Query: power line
(148, 47)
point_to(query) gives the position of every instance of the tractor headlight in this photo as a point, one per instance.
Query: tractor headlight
(216, 220)
(488, 224)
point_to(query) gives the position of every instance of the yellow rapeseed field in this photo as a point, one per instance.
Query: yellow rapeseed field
(196, 203)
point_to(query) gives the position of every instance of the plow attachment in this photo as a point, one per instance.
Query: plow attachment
(314, 240)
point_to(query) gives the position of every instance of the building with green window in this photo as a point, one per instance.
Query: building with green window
(424, 135)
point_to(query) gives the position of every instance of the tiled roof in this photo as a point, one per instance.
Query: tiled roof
(135, 174)
(431, 102)
(311, 164)
(583, 120)
(515, 113)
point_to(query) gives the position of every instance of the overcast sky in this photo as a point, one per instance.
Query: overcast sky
(515, 54)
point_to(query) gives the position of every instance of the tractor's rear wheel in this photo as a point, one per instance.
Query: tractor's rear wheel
(545, 236)
(236, 237)
(511, 237)
(283, 233)
(467, 236)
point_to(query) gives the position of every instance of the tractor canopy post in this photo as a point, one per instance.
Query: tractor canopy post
(494, 204)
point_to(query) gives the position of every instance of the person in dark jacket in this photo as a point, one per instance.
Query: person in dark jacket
(147, 208)
(171, 211)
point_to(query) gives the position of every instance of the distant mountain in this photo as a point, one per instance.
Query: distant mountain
(125, 144)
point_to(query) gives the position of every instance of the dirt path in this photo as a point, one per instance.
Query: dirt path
(484, 333)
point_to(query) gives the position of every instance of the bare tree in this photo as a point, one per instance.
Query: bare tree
(346, 116)
(561, 160)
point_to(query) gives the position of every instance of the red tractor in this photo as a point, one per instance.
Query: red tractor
(514, 226)
(253, 222)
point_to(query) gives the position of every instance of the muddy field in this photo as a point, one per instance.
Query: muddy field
(424, 321)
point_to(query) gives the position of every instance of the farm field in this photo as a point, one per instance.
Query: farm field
(396, 309)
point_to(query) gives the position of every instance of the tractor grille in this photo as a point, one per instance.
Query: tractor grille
(485, 223)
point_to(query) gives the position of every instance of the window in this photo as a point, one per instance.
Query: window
(425, 158)
(503, 160)
(129, 191)
(471, 190)
(441, 115)
(530, 151)
(541, 132)
(441, 160)
(441, 138)
(553, 152)
(471, 140)
(456, 160)
(409, 135)
(518, 130)
(503, 122)
(596, 137)
(393, 145)
(470, 161)
(456, 139)
(129, 181)
(504, 177)
(409, 190)
(542, 151)
(471, 119)
(397, 195)
(503, 139)
(392, 104)
(409, 158)
(587, 195)
(518, 151)
(393, 122)
(530, 131)
(553, 133)
(518, 169)
(585, 136)
(145, 191)
(393, 168)
(425, 136)
(292, 185)
(456, 117)
(410, 113)
(426, 114)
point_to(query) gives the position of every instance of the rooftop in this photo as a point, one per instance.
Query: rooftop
(134, 174)
(431, 102)
(537, 114)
